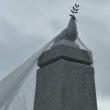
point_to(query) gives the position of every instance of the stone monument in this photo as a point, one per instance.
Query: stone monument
(65, 79)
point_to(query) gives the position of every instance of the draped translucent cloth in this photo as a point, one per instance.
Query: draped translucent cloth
(17, 90)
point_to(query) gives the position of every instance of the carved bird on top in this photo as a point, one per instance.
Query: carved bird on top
(70, 32)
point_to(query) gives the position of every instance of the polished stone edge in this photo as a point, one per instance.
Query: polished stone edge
(64, 52)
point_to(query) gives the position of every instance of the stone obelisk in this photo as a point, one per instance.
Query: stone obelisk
(65, 79)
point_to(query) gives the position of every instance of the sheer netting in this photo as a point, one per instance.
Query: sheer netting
(17, 90)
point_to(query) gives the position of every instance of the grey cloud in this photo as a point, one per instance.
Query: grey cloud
(56, 25)
(16, 46)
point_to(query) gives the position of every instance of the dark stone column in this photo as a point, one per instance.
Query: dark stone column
(65, 80)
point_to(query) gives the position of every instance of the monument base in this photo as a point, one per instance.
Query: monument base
(65, 81)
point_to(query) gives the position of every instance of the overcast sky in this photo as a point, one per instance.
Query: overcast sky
(26, 25)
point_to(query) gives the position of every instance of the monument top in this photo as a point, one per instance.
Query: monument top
(70, 32)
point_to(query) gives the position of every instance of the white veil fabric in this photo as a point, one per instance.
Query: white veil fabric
(17, 90)
(15, 86)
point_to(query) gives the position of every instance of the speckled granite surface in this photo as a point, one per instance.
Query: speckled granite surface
(65, 85)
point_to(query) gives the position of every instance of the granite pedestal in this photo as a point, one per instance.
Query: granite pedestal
(65, 80)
